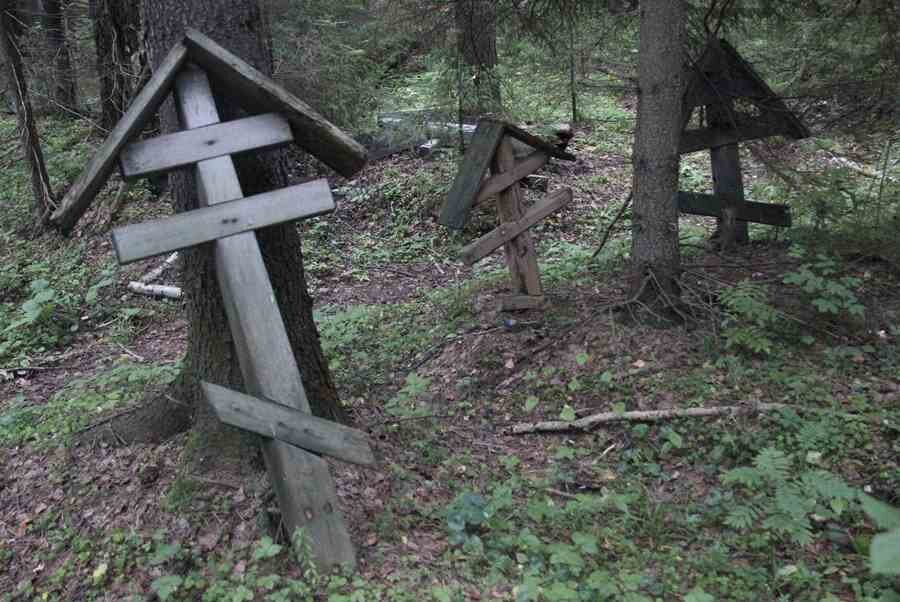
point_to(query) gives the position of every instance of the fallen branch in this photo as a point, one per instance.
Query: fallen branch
(157, 272)
(155, 290)
(588, 422)
(613, 223)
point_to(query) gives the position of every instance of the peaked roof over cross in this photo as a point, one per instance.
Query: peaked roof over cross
(250, 88)
(722, 76)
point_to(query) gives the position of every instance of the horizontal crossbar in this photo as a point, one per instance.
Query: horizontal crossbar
(507, 231)
(696, 203)
(502, 181)
(192, 228)
(180, 149)
(289, 425)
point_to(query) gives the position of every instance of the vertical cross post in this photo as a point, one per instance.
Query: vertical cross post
(303, 485)
(727, 178)
(520, 255)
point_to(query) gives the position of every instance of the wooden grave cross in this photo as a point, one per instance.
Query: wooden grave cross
(492, 149)
(275, 405)
(722, 80)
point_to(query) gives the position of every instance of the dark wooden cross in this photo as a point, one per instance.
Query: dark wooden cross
(492, 149)
(721, 80)
(275, 403)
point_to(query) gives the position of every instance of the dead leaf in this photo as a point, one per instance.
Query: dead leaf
(510, 363)
(639, 364)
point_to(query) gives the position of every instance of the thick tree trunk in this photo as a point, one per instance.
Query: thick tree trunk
(63, 90)
(117, 27)
(31, 143)
(211, 356)
(662, 79)
(476, 31)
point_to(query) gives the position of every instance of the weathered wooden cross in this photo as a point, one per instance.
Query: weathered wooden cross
(492, 148)
(276, 405)
(721, 81)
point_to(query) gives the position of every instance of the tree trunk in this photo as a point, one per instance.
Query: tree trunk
(62, 89)
(211, 356)
(661, 76)
(117, 27)
(31, 143)
(476, 31)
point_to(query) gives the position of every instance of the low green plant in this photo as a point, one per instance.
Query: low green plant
(829, 293)
(749, 319)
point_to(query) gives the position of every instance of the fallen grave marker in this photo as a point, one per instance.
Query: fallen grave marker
(276, 405)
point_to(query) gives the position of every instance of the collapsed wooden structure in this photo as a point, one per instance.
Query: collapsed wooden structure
(275, 404)
(738, 106)
(492, 149)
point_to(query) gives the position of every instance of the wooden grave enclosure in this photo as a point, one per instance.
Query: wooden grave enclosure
(738, 106)
(491, 150)
(275, 403)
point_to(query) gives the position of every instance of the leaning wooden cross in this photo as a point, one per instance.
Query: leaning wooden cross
(275, 405)
(492, 148)
(727, 86)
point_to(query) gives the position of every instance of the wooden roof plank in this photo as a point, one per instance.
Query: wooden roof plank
(256, 92)
(475, 164)
(78, 198)
(537, 142)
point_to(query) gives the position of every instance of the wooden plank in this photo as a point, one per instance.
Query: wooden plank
(302, 483)
(695, 203)
(536, 142)
(475, 164)
(505, 232)
(258, 93)
(521, 258)
(712, 137)
(276, 421)
(80, 195)
(728, 181)
(500, 182)
(139, 241)
(166, 153)
(521, 302)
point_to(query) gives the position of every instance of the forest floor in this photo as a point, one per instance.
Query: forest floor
(748, 506)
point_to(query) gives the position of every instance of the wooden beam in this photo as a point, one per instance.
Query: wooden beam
(506, 231)
(277, 421)
(80, 195)
(501, 182)
(258, 93)
(695, 203)
(536, 142)
(728, 183)
(712, 137)
(166, 153)
(199, 226)
(521, 258)
(303, 486)
(474, 165)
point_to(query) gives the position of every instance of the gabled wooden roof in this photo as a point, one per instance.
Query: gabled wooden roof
(251, 90)
(476, 163)
(722, 76)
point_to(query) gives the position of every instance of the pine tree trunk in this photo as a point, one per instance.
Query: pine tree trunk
(62, 89)
(662, 79)
(31, 142)
(117, 28)
(237, 25)
(476, 31)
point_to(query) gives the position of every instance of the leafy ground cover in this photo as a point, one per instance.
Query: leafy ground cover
(751, 506)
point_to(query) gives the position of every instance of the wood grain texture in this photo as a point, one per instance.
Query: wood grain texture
(220, 220)
(500, 182)
(303, 486)
(471, 172)
(505, 232)
(536, 142)
(166, 153)
(521, 258)
(80, 195)
(695, 203)
(258, 93)
(712, 137)
(276, 421)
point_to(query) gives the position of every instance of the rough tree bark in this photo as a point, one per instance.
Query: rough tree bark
(63, 90)
(476, 31)
(117, 28)
(31, 143)
(662, 80)
(237, 25)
